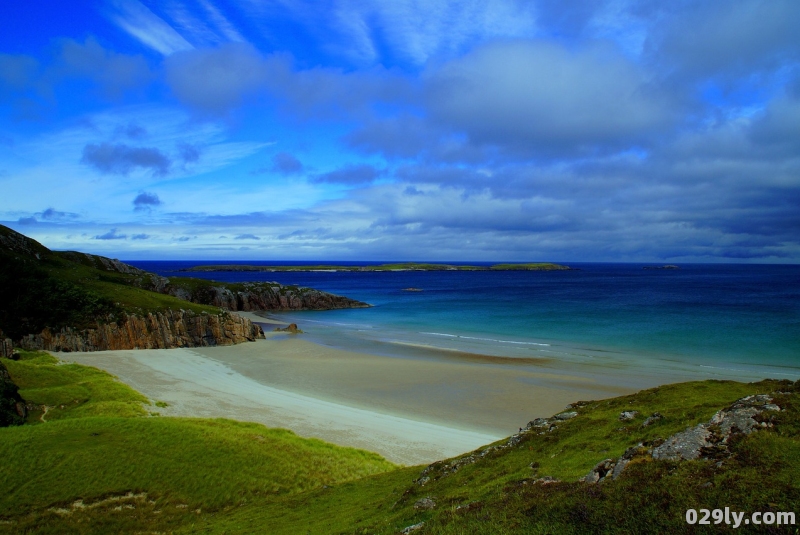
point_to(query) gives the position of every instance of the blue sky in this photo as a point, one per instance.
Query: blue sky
(404, 129)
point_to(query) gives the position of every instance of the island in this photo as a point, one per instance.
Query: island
(403, 266)
(668, 266)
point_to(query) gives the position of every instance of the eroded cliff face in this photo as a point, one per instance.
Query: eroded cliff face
(264, 296)
(161, 330)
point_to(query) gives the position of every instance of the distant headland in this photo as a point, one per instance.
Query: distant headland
(403, 266)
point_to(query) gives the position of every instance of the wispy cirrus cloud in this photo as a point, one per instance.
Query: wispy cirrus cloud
(142, 24)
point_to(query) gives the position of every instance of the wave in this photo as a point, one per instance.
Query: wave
(486, 339)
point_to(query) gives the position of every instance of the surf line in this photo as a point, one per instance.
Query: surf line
(486, 339)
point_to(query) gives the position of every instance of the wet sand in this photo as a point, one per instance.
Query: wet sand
(410, 410)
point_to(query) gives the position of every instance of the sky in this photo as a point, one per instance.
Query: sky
(502, 130)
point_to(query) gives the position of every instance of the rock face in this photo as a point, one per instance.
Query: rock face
(703, 441)
(6, 348)
(12, 406)
(262, 296)
(162, 330)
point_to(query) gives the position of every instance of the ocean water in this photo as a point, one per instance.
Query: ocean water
(742, 318)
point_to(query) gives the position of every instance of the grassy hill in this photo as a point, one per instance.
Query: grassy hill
(41, 288)
(101, 461)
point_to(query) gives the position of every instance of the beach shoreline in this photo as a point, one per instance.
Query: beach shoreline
(421, 406)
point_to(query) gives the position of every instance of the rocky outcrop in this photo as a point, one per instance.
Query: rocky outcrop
(12, 406)
(262, 296)
(161, 330)
(704, 441)
(6, 347)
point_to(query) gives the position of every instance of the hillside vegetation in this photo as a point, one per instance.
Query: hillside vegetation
(101, 461)
(40, 288)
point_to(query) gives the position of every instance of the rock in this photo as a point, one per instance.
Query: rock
(412, 289)
(546, 480)
(656, 416)
(565, 415)
(161, 330)
(413, 528)
(12, 407)
(263, 296)
(685, 445)
(628, 415)
(713, 436)
(291, 328)
(6, 348)
(538, 422)
(600, 471)
(425, 503)
(612, 468)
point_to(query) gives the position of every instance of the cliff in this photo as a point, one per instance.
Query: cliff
(160, 330)
(258, 296)
(73, 301)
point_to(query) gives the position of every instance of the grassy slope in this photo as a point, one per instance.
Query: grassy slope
(40, 288)
(133, 472)
(500, 497)
(99, 446)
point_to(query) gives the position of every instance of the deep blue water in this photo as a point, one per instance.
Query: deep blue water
(731, 315)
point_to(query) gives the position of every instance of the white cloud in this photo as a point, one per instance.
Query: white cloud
(141, 23)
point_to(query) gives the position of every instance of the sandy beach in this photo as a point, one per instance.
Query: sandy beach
(410, 410)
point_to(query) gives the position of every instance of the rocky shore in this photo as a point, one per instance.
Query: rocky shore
(160, 330)
(256, 296)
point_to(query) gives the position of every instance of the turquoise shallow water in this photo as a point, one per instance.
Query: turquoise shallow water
(732, 317)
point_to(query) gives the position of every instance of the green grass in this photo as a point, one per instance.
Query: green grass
(96, 446)
(114, 473)
(71, 390)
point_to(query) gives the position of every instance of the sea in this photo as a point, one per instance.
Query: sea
(717, 319)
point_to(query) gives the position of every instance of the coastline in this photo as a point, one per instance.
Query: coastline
(410, 410)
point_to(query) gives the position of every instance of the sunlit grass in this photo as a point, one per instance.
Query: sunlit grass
(109, 474)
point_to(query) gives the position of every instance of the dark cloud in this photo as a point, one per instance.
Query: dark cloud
(350, 175)
(713, 39)
(113, 72)
(51, 214)
(403, 136)
(17, 71)
(112, 234)
(286, 164)
(188, 153)
(141, 237)
(218, 79)
(131, 131)
(146, 201)
(246, 237)
(121, 159)
(27, 221)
